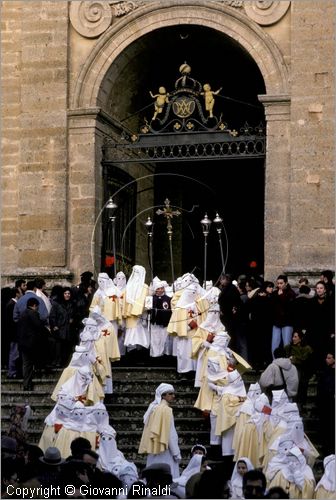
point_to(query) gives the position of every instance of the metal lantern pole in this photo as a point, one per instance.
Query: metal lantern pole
(218, 222)
(111, 207)
(206, 223)
(149, 226)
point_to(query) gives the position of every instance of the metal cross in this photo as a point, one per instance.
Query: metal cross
(168, 213)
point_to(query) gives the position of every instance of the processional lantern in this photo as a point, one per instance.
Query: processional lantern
(111, 208)
(205, 223)
(218, 221)
(149, 226)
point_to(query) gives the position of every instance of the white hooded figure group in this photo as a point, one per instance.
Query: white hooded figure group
(288, 469)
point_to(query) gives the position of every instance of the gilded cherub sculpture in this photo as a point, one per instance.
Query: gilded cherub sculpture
(161, 100)
(209, 98)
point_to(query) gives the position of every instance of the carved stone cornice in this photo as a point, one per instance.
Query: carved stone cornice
(92, 18)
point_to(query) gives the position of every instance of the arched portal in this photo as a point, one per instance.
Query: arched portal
(224, 47)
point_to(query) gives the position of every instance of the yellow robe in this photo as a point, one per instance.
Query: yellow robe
(94, 393)
(132, 311)
(323, 494)
(203, 308)
(291, 488)
(197, 340)
(227, 408)
(206, 399)
(111, 308)
(247, 444)
(155, 436)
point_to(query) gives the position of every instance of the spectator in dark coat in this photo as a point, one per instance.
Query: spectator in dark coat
(302, 309)
(327, 276)
(326, 404)
(261, 323)
(9, 331)
(32, 335)
(282, 303)
(321, 331)
(229, 303)
(61, 320)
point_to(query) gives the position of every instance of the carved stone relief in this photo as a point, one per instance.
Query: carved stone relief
(266, 12)
(91, 18)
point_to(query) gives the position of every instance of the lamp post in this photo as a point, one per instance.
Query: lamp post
(218, 223)
(149, 226)
(206, 223)
(111, 207)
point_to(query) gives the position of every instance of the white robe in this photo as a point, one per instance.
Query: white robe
(167, 456)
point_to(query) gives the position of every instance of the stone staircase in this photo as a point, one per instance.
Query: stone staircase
(134, 389)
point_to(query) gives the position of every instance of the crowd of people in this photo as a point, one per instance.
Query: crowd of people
(216, 334)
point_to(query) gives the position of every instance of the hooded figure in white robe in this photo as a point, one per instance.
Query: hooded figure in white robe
(193, 467)
(183, 325)
(134, 304)
(104, 282)
(120, 282)
(56, 419)
(326, 487)
(231, 394)
(291, 425)
(71, 429)
(243, 415)
(110, 458)
(80, 375)
(289, 470)
(159, 438)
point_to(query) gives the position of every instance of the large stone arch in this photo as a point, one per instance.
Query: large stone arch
(88, 92)
(88, 123)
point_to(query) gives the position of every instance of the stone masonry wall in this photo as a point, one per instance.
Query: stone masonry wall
(34, 183)
(312, 135)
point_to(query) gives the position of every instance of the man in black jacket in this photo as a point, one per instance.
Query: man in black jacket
(31, 339)
(229, 302)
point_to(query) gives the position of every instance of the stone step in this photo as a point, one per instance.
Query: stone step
(122, 424)
(116, 411)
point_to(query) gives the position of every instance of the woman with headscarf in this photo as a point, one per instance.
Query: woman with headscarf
(61, 321)
(326, 487)
(242, 465)
(159, 438)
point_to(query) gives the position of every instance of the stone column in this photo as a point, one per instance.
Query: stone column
(277, 185)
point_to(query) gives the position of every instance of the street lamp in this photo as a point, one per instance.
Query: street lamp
(218, 221)
(111, 208)
(149, 226)
(205, 223)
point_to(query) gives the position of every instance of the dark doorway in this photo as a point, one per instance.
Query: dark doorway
(234, 189)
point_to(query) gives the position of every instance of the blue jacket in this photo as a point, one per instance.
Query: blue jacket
(21, 306)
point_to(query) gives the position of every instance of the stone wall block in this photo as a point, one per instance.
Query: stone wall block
(39, 258)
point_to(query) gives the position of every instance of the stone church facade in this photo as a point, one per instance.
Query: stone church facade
(65, 66)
